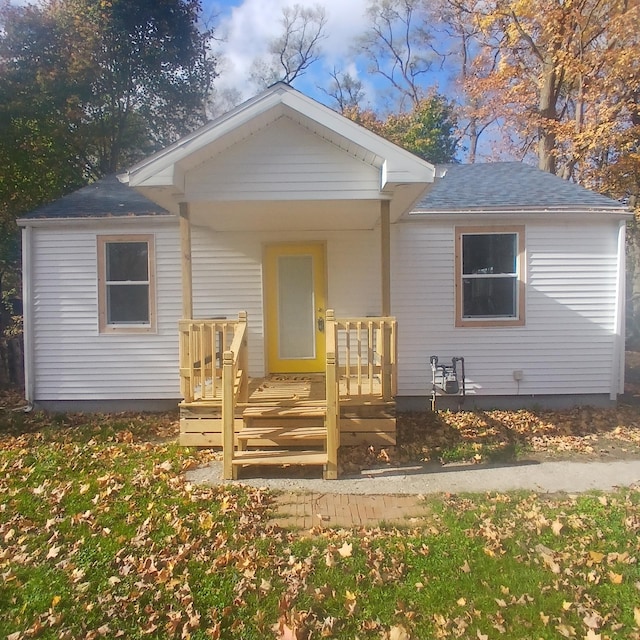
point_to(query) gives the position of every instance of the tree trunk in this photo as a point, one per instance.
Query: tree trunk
(548, 117)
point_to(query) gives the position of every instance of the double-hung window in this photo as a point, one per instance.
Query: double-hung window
(126, 282)
(489, 276)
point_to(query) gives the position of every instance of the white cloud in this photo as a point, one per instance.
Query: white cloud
(248, 28)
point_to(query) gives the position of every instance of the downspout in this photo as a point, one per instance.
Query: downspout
(617, 369)
(27, 314)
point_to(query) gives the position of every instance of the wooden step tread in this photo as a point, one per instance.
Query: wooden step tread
(279, 411)
(293, 433)
(278, 458)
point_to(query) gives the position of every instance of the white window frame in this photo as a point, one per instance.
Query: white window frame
(105, 326)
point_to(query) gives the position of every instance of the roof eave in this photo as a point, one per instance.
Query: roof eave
(555, 212)
(96, 219)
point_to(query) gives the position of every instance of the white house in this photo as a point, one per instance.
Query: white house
(284, 209)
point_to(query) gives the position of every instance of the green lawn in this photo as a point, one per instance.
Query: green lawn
(102, 537)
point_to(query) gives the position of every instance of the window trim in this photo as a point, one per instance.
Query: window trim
(103, 325)
(519, 321)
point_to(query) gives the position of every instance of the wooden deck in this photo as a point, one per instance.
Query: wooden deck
(278, 404)
(351, 403)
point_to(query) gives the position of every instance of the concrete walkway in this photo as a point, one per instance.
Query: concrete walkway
(395, 494)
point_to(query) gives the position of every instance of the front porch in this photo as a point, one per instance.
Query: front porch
(299, 419)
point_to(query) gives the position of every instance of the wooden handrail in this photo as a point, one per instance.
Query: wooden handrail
(332, 420)
(234, 387)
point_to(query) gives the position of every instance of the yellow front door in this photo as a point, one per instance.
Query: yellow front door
(295, 294)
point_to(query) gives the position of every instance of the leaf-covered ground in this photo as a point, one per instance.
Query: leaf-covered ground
(102, 537)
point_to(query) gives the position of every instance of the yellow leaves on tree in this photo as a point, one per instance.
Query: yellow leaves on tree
(565, 76)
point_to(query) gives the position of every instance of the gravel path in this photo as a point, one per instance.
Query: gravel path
(543, 477)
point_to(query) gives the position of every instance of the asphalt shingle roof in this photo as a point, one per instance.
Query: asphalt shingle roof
(473, 187)
(107, 197)
(502, 185)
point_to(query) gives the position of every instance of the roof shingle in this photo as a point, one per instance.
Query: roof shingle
(107, 197)
(503, 185)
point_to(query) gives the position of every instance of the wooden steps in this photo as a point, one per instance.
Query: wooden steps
(279, 458)
(290, 436)
(278, 415)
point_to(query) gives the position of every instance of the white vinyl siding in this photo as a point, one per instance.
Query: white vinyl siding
(227, 276)
(567, 344)
(283, 162)
(72, 360)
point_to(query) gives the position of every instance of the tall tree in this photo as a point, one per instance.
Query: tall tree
(85, 88)
(566, 75)
(458, 38)
(428, 130)
(346, 90)
(399, 47)
(295, 49)
(117, 78)
(416, 45)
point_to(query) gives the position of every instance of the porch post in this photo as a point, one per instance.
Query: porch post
(185, 246)
(385, 248)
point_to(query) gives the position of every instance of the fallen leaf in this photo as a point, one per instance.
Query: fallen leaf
(596, 556)
(398, 632)
(53, 552)
(556, 527)
(345, 550)
(566, 630)
(284, 631)
(593, 620)
(636, 615)
(616, 578)
(265, 586)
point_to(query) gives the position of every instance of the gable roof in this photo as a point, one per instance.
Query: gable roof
(496, 186)
(167, 167)
(107, 197)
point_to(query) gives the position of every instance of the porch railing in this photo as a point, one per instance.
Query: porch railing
(361, 358)
(332, 419)
(235, 388)
(203, 343)
(366, 351)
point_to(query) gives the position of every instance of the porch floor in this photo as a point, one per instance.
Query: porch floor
(300, 388)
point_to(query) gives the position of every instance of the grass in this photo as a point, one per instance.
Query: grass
(102, 537)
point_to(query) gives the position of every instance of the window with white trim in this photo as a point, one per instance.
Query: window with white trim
(489, 276)
(126, 280)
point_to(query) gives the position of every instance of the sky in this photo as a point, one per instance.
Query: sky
(247, 26)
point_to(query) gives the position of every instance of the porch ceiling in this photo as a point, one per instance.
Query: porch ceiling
(288, 215)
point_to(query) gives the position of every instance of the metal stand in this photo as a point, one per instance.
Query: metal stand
(446, 379)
